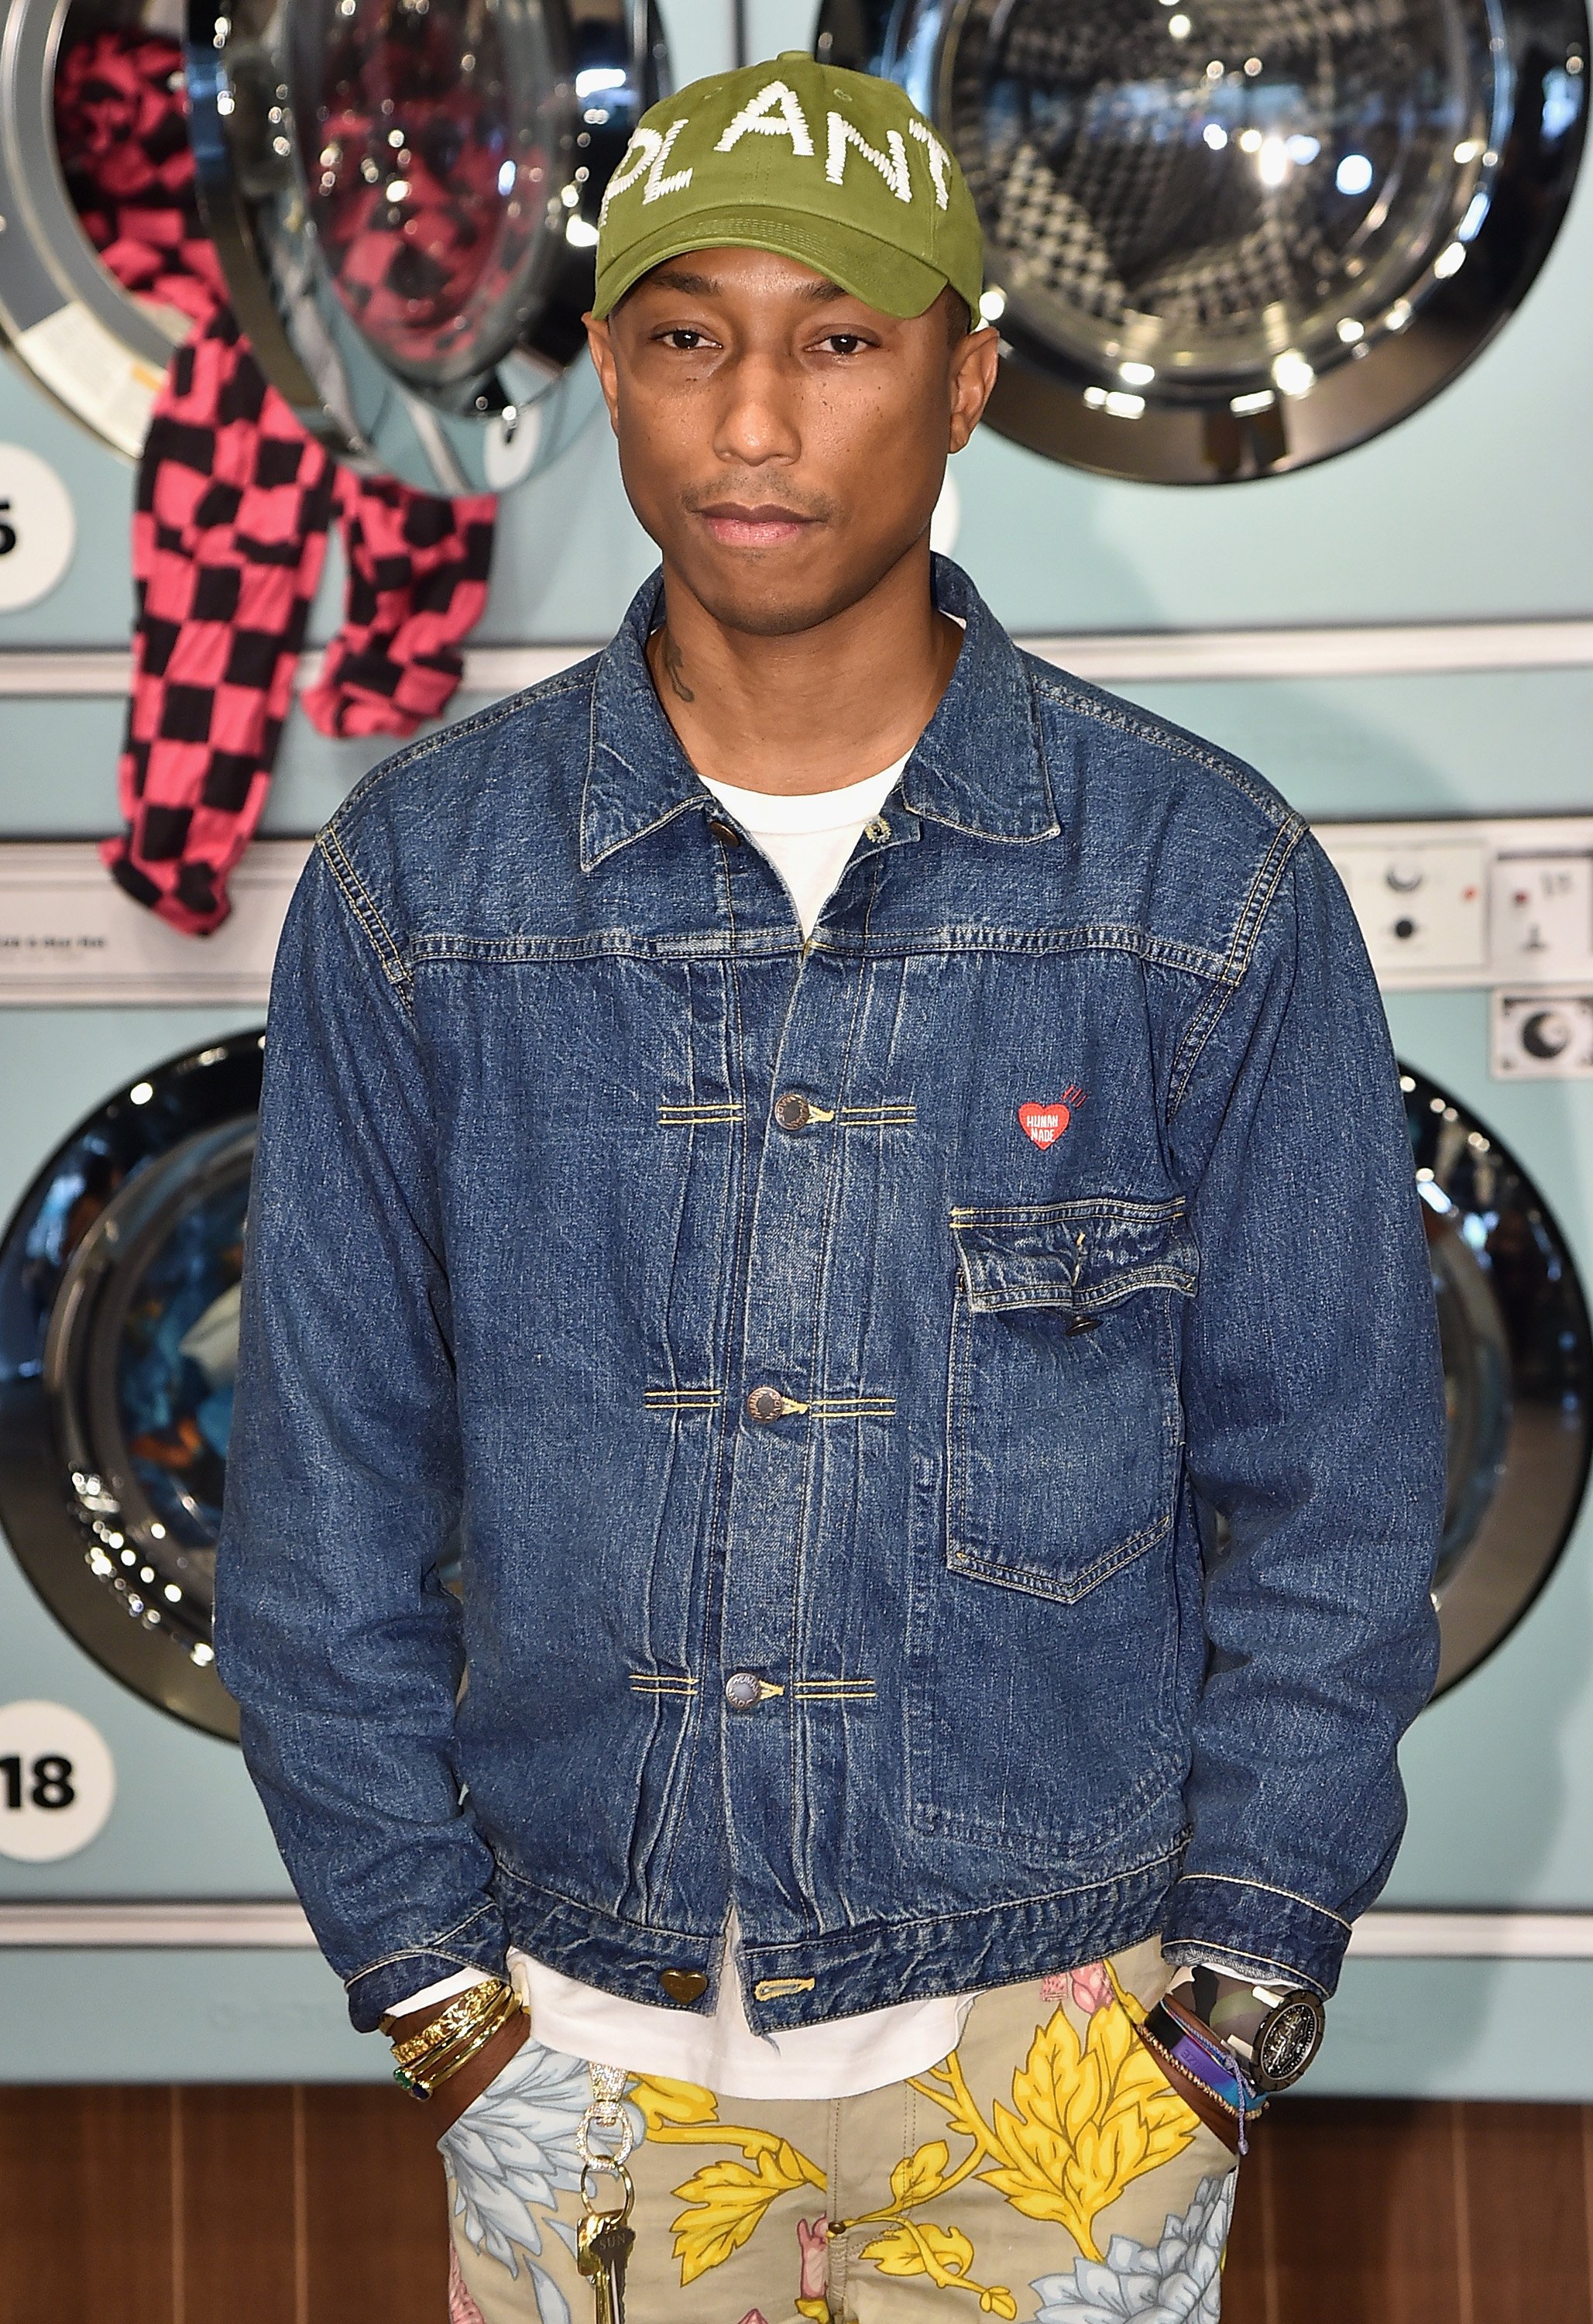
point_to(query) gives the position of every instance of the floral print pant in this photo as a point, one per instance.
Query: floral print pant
(1046, 2171)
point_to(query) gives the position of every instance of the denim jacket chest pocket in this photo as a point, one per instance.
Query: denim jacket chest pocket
(1066, 1431)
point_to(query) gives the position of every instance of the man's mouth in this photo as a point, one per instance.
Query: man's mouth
(769, 525)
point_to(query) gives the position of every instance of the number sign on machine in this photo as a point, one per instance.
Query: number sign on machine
(38, 531)
(58, 1782)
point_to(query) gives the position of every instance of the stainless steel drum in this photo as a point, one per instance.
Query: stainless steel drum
(1229, 238)
(119, 1277)
(404, 195)
(1518, 1372)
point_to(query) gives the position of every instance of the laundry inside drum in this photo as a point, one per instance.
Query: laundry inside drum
(122, 142)
(1222, 193)
(427, 132)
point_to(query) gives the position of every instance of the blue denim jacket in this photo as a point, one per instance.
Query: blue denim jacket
(941, 1424)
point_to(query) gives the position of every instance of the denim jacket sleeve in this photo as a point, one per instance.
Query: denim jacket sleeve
(1314, 1399)
(333, 1630)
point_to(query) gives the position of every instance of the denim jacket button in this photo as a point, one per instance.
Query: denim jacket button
(683, 1984)
(743, 1690)
(766, 1403)
(725, 833)
(791, 1110)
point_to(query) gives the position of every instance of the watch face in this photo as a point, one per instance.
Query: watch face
(1287, 2040)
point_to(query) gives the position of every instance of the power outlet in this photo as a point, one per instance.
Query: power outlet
(1542, 1036)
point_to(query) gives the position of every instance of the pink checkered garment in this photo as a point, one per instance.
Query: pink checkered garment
(229, 533)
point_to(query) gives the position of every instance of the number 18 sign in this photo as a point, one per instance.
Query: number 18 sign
(57, 1781)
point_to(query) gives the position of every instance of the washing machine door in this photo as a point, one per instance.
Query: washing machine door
(1229, 238)
(91, 145)
(119, 1277)
(404, 195)
(1518, 1373)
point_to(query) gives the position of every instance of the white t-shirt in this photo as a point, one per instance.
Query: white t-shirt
(808, 835)
(808, 838)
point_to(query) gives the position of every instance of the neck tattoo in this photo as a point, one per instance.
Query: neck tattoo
(675, 669)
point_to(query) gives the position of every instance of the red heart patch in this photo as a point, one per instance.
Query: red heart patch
(1045, 1124)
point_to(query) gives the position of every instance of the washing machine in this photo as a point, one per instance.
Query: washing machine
(420, 300)
(1225, 239)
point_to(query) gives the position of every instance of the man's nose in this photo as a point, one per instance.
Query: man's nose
(757, 418)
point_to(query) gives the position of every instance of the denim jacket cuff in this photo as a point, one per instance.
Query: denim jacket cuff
(373, 1990)
(1253, 1930)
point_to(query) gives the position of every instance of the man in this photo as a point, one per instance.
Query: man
(859, 1184)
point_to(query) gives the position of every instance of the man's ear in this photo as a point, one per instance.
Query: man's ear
(974, 360)
(600, 346)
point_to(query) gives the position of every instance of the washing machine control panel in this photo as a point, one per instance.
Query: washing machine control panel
(1506, 904)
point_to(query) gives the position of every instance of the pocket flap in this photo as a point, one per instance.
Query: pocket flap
(1079, 1256)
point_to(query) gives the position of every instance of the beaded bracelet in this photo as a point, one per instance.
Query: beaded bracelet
(1209, 2060)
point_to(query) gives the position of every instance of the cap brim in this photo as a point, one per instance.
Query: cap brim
(882, 275)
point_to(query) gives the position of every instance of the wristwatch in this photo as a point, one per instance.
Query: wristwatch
(1288, 2037)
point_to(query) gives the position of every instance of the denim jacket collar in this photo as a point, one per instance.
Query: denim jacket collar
(978, 764)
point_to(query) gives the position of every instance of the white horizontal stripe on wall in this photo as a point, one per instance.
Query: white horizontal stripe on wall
(1129, 657)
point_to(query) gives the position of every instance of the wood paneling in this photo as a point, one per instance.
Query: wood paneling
(237, 2207)
(320, 2206)
(1527, 2215)
(377, 2214)
(1245, 2275)
(1365, 2204)
(87, 2224)
(219, 2206)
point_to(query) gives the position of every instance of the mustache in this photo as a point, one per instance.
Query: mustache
(748, 494)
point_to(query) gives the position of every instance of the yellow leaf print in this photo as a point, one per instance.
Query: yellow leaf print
(728, 2200)
(1088, 2121)
(962, 2114)
(912, 2250)
(943, 2254)
(662, 2102)
(683, 2113)
(729, 2203)
(916, 2179)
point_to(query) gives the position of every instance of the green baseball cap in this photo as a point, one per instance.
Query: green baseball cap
(837, 169)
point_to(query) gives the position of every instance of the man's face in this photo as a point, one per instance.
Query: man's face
(783, 443)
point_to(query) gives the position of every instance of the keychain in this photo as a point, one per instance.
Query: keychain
(604, 2237)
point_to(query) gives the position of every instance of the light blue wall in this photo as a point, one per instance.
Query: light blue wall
(1481, 506)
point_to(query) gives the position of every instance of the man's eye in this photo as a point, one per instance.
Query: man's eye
(844, 343)
(684, 338)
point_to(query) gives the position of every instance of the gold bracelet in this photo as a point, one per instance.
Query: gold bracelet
(435, 2064)
(422, 2079)
(458, 2012)
(435, 2056)
(427, 2074)
(466, 2009)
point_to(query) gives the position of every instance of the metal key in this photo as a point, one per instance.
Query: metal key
(603, 2247)
(603, 2238)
